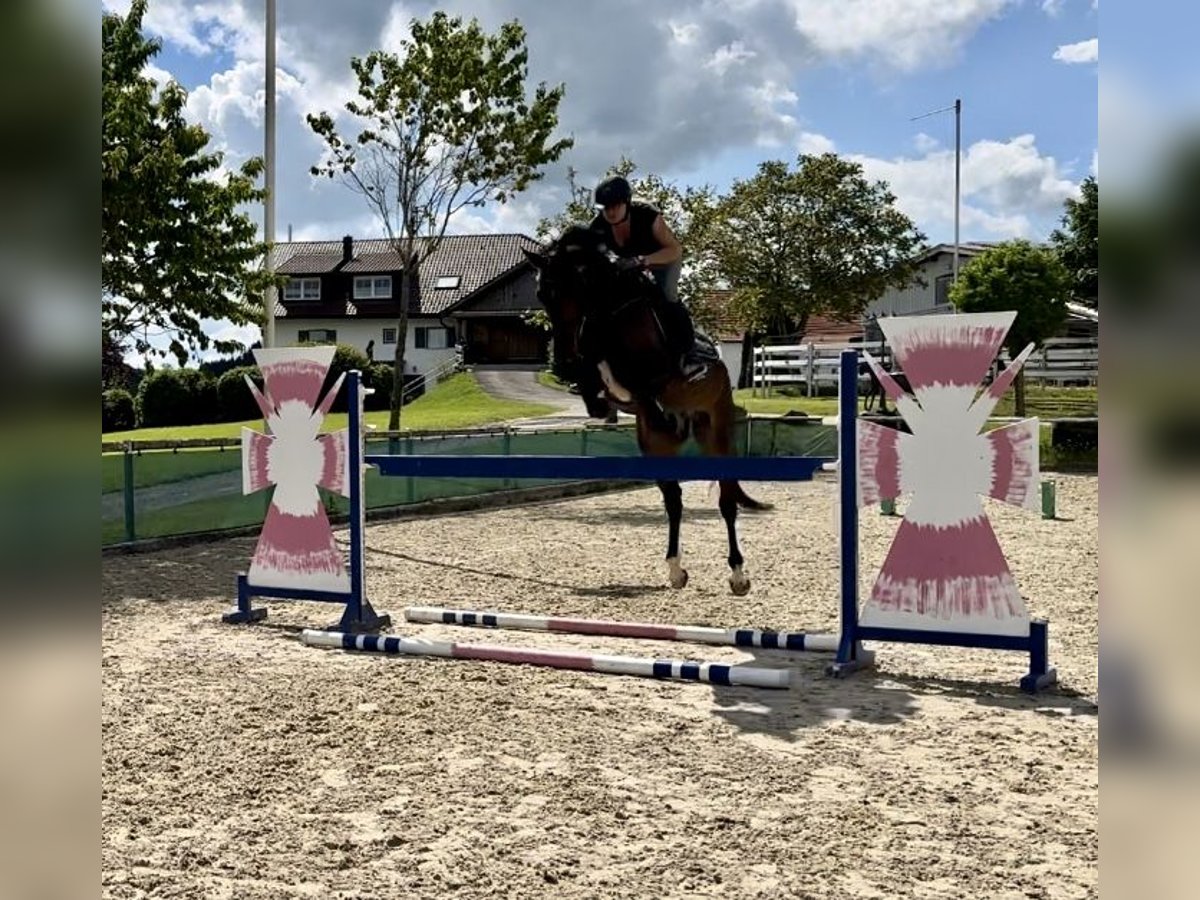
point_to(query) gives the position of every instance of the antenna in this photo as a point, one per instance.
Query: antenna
(957, 107)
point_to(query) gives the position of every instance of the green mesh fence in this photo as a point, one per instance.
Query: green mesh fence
(172, 493)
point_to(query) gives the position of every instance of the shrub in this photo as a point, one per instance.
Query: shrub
(380, 377)
(176, 397)
(117, 411)
(235, 403)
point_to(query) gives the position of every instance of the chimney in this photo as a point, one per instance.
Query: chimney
(347, 249)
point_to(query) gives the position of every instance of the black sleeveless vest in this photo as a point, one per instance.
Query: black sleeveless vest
(642, 241)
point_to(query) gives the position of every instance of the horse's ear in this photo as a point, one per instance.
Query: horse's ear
(539, 260)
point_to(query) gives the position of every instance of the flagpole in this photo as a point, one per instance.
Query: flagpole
(957, 107)
(269, 204)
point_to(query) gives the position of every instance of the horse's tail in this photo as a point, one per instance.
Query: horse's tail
(745, 501)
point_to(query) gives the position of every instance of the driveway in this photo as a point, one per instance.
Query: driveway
(510, 383)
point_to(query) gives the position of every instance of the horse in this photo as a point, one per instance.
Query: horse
(602, 312)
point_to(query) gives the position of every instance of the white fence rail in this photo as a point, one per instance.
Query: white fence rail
(815, 366)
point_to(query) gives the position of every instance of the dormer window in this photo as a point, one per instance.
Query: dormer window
(447, 283)
(298, 289)
(373, 287)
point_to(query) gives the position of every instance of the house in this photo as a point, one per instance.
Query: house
(931, 295)
(473, 292)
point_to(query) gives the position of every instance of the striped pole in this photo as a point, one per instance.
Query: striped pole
(711, 673)
(734, 637)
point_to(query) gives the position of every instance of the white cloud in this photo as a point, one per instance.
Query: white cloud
(1009, 189)
(906, 34)
(1082, 52)
(1053, 8)
(814, 144)
(684, 34)
(728, 56)
(925, 143)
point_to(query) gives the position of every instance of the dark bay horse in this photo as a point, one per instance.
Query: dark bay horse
(600, 312)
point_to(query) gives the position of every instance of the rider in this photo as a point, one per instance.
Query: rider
(640, 237)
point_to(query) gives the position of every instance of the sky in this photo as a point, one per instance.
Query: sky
(695, 91)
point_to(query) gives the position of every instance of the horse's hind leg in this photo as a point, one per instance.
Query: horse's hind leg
(715, 439)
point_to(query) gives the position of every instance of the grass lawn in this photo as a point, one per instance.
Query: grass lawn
(1046, 402)
(458, 402)
(548, 379)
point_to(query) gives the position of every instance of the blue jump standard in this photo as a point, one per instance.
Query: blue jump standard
(618, 468)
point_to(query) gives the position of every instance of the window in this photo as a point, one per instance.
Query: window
(318, 336)
(373, 287)
(941, 289)
(302, 289)
(434, 338)
(446, 283)
(389, 335)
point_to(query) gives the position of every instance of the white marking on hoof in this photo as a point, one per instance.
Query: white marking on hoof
(739, 582)
(614, 387)
(676, 573)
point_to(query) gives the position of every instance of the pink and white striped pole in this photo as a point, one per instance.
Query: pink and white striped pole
(697, 634)
(671, 669)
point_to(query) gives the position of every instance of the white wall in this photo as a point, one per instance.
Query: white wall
(731, 355)
(915, 299)
(356, 333)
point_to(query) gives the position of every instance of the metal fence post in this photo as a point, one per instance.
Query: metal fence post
(130, 506)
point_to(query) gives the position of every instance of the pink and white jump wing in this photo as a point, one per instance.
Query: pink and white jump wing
(330, 396)
(294, 374)
(947, 578)
(256, 449)
(946, 350)
(987, 401)
(335, 471)
(1015, 464)
(905, 402)
(880, 474)
(298, 551)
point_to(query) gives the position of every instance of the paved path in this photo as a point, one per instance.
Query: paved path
(521, 385)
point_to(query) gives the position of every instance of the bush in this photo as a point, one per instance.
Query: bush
(379, 376)
(235, 402)
(176, 397)
(345, 358)
(117, 411)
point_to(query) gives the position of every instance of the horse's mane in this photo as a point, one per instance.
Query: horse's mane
(580, 238)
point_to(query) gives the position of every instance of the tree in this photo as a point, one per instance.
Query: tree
(1016, 275)
(1077, 243)
(175, 247)
(443, 127)
(819, 240)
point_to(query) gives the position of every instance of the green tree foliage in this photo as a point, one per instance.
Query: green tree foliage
(1017, 275)
(1077, 243)
(439, 128)
(175, 247)
(819, 239)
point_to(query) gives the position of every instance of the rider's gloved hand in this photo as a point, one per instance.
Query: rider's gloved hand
(625, 263)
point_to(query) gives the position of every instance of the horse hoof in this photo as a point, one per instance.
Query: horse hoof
(679, 579)
(739, 584)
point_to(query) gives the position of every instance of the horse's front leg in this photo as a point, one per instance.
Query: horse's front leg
(739, 581)
(673, 502)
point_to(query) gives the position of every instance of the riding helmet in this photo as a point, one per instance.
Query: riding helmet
(613, 190)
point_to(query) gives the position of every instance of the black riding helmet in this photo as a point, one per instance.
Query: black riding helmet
(613, 190)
